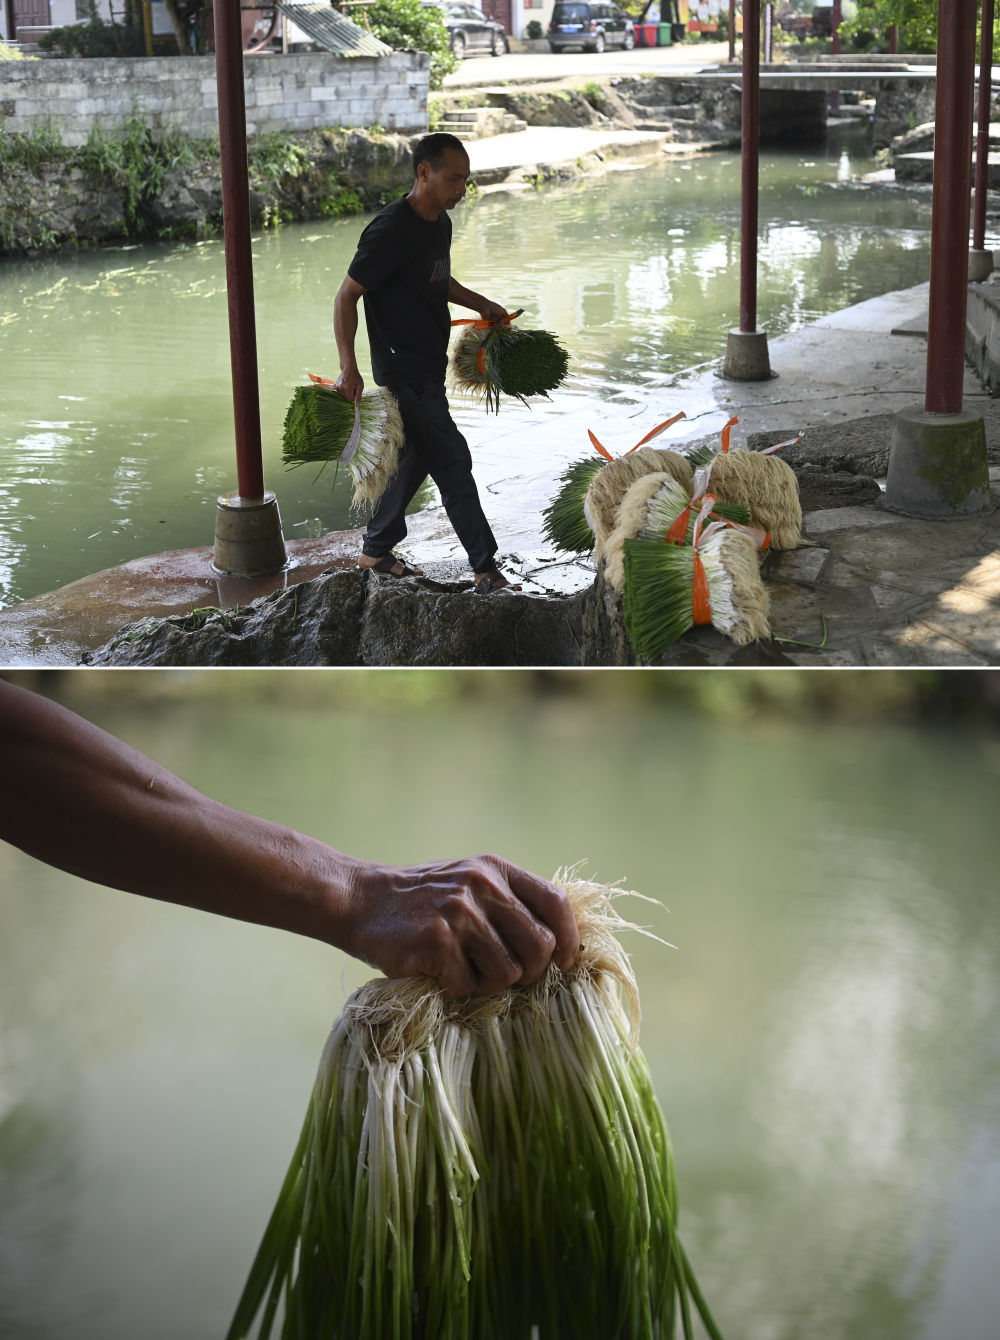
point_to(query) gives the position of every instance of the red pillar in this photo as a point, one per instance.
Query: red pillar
(750, 140)
(950, 213)
(983, 125)
(894, 39)
(239, 263)
(732, 31)
(835, 18)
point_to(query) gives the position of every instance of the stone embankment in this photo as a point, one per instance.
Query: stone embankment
(80, 199)
(96, 195)
(911, 150)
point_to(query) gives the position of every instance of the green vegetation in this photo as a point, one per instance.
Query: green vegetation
(534, 31)
(29, 149)
(408, 24)
(135, 163)
(94, 37)
(917, 20)
(275, 155)
(971, 697)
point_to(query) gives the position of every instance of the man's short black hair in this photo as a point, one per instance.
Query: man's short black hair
(431, 149)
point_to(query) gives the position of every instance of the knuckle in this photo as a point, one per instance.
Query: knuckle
(458, 906)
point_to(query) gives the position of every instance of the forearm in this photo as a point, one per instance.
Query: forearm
(345, 329)
(465, 297)
(82, 800)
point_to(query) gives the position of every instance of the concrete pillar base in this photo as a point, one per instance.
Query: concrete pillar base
(938, 465)
(248, 539)
(980, 265)
(746, 356)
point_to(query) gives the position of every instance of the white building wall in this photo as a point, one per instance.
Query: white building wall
(295, 92)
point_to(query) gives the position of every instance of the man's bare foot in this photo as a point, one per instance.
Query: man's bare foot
(390, 565)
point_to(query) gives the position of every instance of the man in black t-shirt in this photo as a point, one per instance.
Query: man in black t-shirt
(402, 270)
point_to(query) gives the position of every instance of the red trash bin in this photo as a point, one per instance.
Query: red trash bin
(646, 34)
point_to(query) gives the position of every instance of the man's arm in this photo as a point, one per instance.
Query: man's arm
(78, 798)
(345, 327)
(489, 311)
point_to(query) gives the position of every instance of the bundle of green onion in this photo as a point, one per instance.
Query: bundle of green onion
(505, 360)
(322, 426)
(565, 520)
(484, 1169)
(666, 594)
(658, 507)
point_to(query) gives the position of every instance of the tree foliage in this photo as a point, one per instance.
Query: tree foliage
(409, 25)
(916, 19)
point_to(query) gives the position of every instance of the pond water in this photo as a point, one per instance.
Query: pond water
(823, 1038)
(116, 429)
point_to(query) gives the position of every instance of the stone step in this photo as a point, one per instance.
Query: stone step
(920, 168)
(478, 123)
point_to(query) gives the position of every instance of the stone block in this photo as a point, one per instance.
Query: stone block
(847, 518)
(938, 464)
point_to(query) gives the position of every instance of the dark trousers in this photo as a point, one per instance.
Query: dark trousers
(434, 447)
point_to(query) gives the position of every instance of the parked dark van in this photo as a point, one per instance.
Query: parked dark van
(578, 23)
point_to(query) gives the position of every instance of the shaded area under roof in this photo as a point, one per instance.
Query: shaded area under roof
(332, 30)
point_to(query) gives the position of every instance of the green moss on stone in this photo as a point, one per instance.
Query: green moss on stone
(955, 462)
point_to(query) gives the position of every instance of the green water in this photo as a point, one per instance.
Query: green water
(115, 400)
(823, 1038)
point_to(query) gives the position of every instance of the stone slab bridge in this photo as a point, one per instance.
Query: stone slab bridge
(795, 99)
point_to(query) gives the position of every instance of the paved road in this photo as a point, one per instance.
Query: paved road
(529, 66)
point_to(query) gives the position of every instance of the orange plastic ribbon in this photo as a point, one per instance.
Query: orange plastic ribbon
(725, 433)
(660, 428)
(484, 324)
(701, 604)
(678, 531)
(602, 449)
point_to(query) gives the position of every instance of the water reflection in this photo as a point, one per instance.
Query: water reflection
(122, 356)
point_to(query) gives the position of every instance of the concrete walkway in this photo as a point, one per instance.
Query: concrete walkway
(524, 152)
(877, 588)
(535, 67)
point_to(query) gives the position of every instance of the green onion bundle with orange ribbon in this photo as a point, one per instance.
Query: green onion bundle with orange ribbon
(657, 507)
(670, 588)
(321, 425)
(496, 358)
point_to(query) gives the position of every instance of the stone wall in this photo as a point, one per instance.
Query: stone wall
(295, 92)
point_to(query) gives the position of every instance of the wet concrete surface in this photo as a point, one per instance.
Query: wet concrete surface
(57, 628)
(873, 587)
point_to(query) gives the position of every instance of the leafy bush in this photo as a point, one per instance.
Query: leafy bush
(917, 20)
(92, 38)
(31, 148)
(534, 31)
(409, 25)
